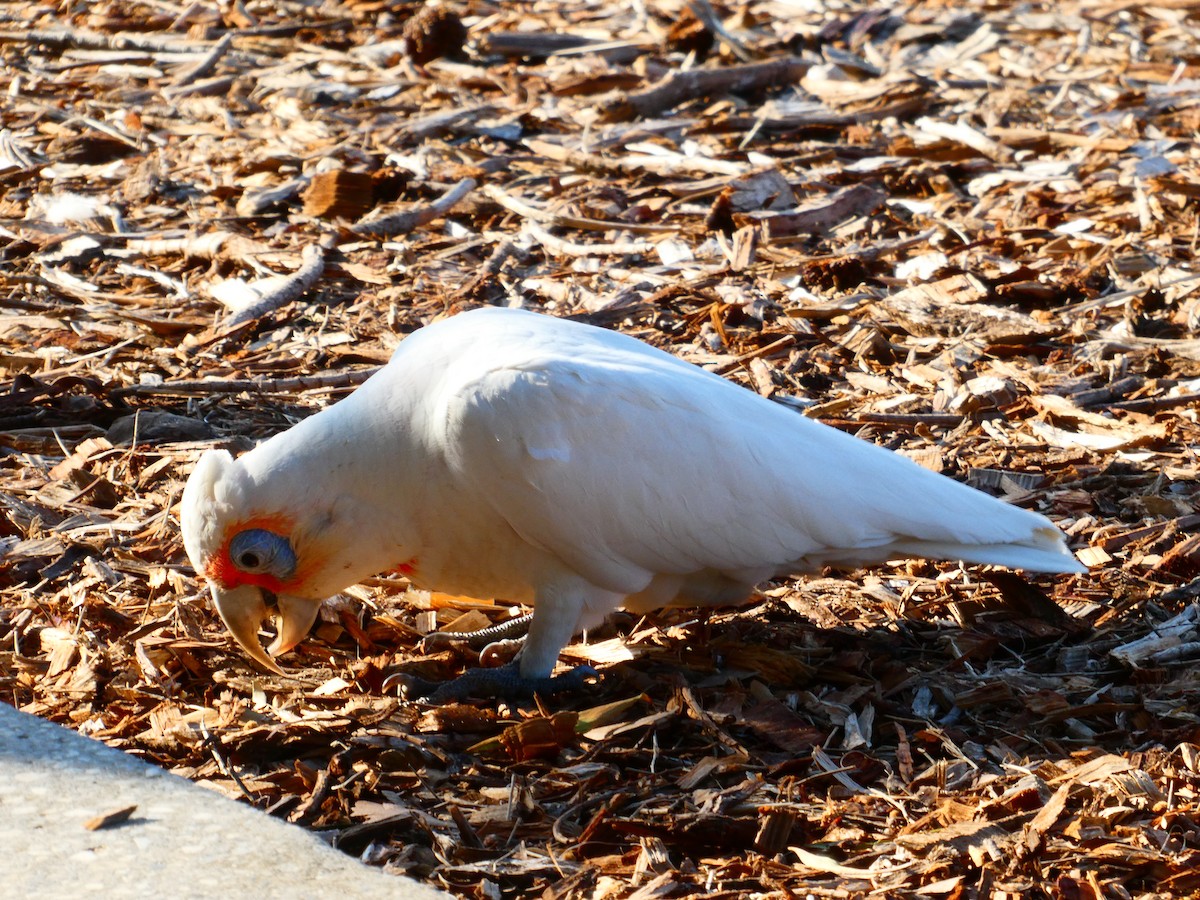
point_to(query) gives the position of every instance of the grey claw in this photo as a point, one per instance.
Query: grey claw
(410, 687)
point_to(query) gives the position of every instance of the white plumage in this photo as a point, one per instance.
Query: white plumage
(508, 454)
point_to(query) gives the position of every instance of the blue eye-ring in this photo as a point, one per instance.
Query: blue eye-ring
(258, 550)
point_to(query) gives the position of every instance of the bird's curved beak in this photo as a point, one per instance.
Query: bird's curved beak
(243, 609)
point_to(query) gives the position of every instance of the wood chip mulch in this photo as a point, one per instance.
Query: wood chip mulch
(962, 230)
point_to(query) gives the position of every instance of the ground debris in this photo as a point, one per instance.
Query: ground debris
(963, 231)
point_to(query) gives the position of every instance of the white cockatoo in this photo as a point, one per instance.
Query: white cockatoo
(507, 454)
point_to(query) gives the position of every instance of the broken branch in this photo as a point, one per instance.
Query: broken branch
(396, 223)
(573, 248)
(680, 86)
(312, 265)
(548, 217)
(332, 382)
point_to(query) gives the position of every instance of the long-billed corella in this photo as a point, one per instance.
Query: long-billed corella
(507, 454)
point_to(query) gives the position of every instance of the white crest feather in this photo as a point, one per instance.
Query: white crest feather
(208, 503)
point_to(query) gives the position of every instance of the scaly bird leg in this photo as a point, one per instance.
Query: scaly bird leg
(499, 642)
(557, 613)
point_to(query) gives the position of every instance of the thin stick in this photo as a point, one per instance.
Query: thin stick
(298, 384)
(204, 65)
(548, 217)
(672, 164)
(572, 248)
(214, 245)
(680, 86)
(1154, 404)
(392, 224)
(90, 40)
(703, 11)
(312, 265)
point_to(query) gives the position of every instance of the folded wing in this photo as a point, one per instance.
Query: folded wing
(629, 464)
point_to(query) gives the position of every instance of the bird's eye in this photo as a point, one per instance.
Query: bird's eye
(257, 550)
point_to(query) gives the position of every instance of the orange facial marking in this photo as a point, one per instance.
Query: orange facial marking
(222, 572)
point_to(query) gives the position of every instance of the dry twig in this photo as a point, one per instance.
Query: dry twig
(574, 248)
(547, 217)
(312, 265)
(688, 85)
(334, 381)
(392, 224)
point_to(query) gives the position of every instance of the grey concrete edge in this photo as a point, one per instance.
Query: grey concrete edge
(182, 840)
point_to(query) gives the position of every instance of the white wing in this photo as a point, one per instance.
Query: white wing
(629, 464)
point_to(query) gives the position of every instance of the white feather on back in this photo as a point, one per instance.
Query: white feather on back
(627, 463)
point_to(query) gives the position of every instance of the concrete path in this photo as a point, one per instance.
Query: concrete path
(182, 841)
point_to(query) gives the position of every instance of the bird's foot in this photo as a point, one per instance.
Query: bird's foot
(504, 682)
(496, 645)
(514, 630)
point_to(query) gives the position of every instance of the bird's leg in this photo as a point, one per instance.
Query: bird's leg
(556, 615)
(498, 641)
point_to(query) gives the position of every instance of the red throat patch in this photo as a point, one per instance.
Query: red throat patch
(404, 568)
